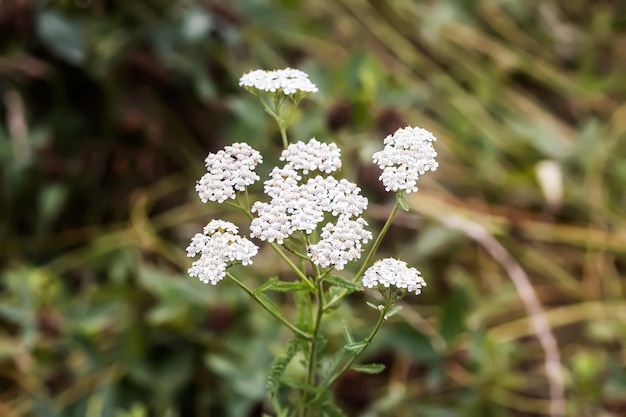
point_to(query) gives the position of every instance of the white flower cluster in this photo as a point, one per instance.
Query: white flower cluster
(408, 153)
(229, 170)
(288, 81)
(389, 271)
(219, 246)
(301, 205)
(340, 243)
(312, 156)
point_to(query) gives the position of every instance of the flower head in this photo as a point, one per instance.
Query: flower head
(302, 202)
(389, 271)
(219, 247)
(287, 81)
(295, 206)
(408, 153)
(312, 156)
(340, 242)
(272, 223)
(229, 170)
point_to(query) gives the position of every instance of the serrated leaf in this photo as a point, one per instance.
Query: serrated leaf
(280, 365)
(302, 301)
(353, 347)
(370, 368)
(299, 385)
(343, 283)
(265, 287)
(274, 284)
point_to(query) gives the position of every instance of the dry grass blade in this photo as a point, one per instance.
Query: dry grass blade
(531, 302)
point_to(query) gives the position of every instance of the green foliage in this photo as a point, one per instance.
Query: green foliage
(274, 284)
(280, 365)
(343, 283)
(370, 368)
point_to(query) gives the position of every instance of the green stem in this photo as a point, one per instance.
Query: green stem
(283, 135)
(316, 268)
(313, 349)
(247, 200)
(367, 341)
(268, 109)
(269, 310)
(376, 244)
(293, 266)
(282, 121)
(240, 205)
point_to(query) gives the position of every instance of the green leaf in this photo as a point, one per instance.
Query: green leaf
(266, 286)
(370, 368)
(356, 346)
(270, 304)
(280, 365)
(347, 333)
(331, 364)
(62, 36)
(334, 294)
(343, 283)
(274, 284)
(331, 410)
(302, 301)
(374, 306)
(299, 385)
(394, 310)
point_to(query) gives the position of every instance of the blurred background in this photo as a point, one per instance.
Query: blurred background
(109, 107)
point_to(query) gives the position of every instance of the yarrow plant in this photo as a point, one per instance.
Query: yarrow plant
(313, 221)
